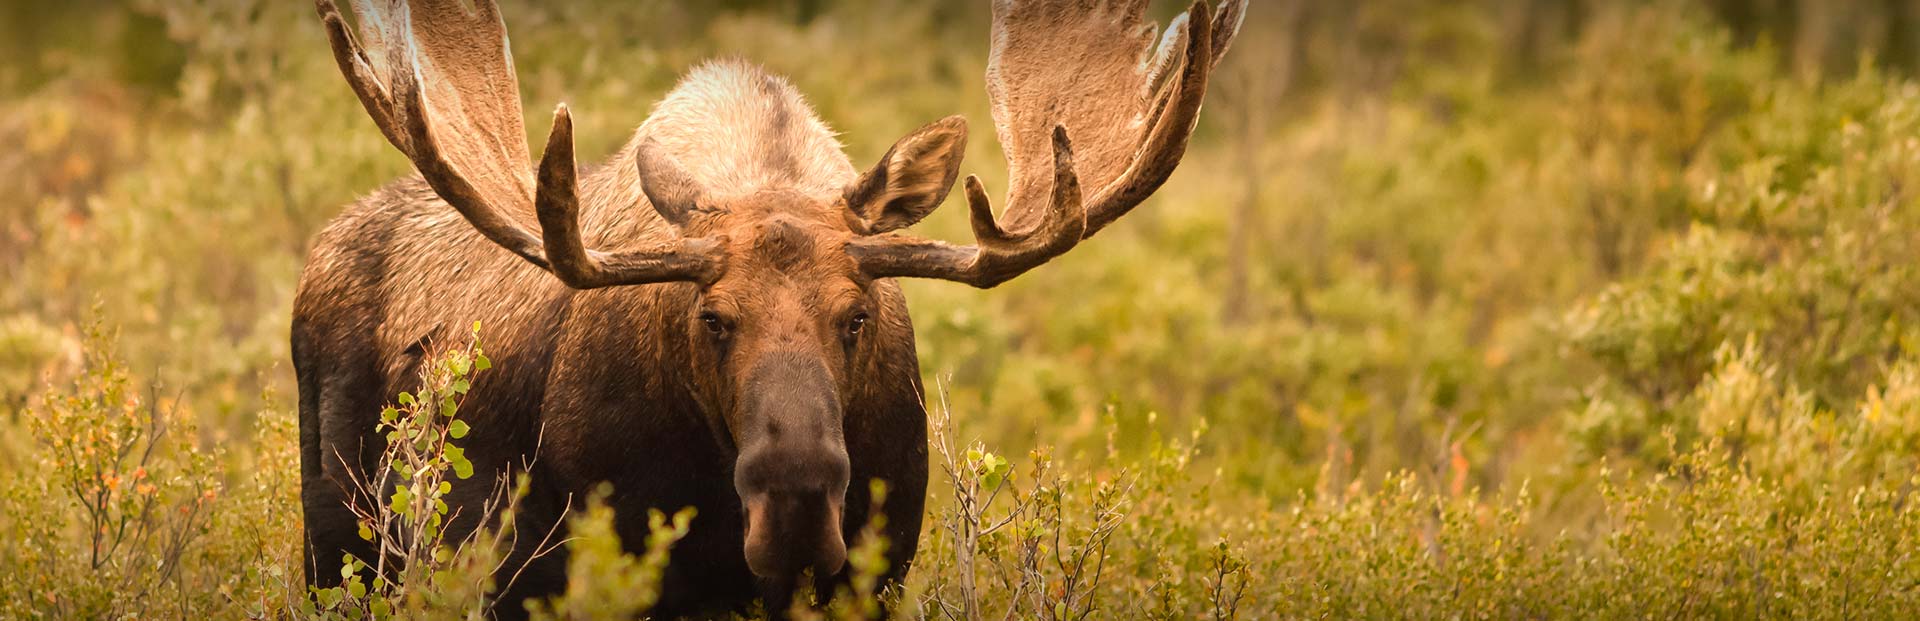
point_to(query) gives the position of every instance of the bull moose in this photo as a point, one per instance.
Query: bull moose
(709, 318)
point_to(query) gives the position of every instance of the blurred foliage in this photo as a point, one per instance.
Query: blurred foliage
(1495, 308)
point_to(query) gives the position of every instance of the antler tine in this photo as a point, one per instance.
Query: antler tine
(1176, 112)
(1006, 255)
(404, 115)
(449, 101)
(358, 70)
(1138, 133)
(1000, 254)
(694, 259)
(1226, 27)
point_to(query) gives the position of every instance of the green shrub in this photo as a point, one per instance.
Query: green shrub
(603, 581)
(108, 516)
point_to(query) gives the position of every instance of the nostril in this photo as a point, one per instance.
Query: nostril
(787, 533)
(792, 470)
(832, 552)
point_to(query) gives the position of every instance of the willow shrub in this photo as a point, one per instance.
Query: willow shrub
(1809, 517)
(1783, 509)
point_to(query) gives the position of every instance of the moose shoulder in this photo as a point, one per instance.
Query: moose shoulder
(709, 317)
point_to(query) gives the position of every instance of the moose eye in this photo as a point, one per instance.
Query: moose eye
(854, 324)
(713, 324)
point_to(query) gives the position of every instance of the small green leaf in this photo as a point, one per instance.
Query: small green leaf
(458, 457)
(406, 398)
(458, 429)
(366, 532)
(461, 386)
(481, 363)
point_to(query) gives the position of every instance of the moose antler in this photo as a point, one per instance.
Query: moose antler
(1057, 68)
(444, 93)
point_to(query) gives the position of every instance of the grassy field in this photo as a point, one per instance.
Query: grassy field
(1484, 309)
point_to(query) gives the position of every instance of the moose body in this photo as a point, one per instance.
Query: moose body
(745, 351)
(592, 385)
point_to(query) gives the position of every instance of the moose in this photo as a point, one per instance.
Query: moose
(710, 318)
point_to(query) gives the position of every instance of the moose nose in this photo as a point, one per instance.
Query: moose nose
(792, 470)
(788, 533)
(793, 502)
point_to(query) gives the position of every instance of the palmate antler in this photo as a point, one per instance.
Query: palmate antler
(1086, 69)
(443, 91)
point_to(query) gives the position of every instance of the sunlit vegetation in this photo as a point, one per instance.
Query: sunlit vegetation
(1493, 309)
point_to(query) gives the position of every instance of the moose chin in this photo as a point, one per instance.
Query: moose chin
(709, 318)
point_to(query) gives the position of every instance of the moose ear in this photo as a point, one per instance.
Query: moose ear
(673, 192)
(912, 178)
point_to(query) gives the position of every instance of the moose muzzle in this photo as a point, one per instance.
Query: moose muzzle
(792, 470)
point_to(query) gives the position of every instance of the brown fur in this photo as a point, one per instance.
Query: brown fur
(618, 384)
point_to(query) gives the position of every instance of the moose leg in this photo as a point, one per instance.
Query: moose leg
(536, 567)
(334, 425)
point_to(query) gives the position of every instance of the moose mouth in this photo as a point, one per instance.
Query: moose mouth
(789, 533)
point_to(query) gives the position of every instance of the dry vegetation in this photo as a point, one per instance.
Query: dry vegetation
(1489, 309)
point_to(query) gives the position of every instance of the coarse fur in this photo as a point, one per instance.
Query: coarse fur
(606, 384)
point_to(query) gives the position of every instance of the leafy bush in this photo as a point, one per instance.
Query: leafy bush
(113, 513)
(419, 569)
(603, 581)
